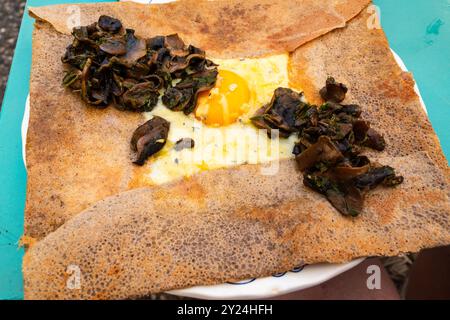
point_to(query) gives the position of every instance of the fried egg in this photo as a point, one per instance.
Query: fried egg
(220, 125)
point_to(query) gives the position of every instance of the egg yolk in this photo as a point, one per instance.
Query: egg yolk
(226, 102)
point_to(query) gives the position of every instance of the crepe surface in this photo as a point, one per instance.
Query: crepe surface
(78, 155)
(205, 230)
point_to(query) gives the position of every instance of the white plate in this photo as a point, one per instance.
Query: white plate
(299, 278)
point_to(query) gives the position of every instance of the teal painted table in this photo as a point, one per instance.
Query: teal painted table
(418, 30)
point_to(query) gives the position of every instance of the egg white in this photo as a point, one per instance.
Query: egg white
(217, 147)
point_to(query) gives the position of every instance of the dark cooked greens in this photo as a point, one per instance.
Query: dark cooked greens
(331, 140)
(108, 64)
(149, 138)
(183, 96)
(282, 113)
(333, 91)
